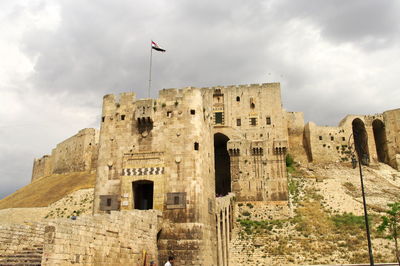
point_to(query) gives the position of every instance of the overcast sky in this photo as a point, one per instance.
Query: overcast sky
(59, 57)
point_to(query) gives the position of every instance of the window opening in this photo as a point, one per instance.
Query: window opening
(268, 120)
(237, 98)
(103, 118)
(218, 118)
(238, 122)
(253, 121)
(108, 202)
(320, 137)
(122, 117)
(192, 111)
(196, 146)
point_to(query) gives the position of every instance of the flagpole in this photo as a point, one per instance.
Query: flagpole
(151, 58)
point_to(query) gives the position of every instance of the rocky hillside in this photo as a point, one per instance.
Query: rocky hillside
(325, 225)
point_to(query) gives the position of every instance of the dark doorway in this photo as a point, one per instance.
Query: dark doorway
(380, 140)
(360, 140)
(222, 165)
(143, 194)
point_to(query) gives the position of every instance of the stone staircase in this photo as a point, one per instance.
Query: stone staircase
(27, 256)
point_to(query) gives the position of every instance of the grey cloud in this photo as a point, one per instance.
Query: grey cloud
(369, 23)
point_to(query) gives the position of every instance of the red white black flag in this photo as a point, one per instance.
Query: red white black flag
(156, 47)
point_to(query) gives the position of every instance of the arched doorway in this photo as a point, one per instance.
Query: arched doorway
(143, 194)
(222, 165)
(380, 140)
(360, 140)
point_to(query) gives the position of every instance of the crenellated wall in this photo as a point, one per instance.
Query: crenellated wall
(75, 154)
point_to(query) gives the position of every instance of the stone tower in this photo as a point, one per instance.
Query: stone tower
(179, 152)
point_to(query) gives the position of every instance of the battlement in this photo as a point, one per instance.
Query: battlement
(75, 154)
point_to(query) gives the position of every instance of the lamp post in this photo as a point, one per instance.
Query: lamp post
(364, 160)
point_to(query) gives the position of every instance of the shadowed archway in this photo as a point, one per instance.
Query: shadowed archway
(380, 140)
(360, 140)
(222, 165)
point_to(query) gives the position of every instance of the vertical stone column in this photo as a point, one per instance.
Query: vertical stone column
(224, 244)
(219, 244)
(227, 234)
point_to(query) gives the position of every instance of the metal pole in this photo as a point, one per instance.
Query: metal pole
(371, 258)
(151, 58)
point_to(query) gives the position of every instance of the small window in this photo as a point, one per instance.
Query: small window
(237, 98)
(238, 122)
(192, 111)
(103, 118)
(324, 145)
(196, 146)
(320, 137)
(218, 118)
(108, 202)
(343, 139)
(176, 200)
(169, 113)
(268, 120)
(122, 117)
(253, 121)
(252, 106)
(332, 138)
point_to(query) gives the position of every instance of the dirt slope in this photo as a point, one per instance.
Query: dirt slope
(49, 189)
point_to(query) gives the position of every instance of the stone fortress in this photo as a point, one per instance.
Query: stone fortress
(193, 152)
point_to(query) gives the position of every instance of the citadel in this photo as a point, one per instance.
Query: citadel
(170, 170)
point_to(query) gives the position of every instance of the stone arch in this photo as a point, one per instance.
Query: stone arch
(222, 165)
(380, 140)
(360, 140)
(143, 191)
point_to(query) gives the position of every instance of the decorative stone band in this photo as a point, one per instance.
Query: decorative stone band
(143, 171)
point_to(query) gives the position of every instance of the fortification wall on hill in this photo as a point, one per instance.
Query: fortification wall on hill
(75, 154)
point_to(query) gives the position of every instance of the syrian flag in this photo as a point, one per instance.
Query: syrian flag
(156, 47)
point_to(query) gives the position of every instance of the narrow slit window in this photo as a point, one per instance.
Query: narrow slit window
(196, 146)
(237, 98)
(238, 122)
(103, 118)
(268, 120)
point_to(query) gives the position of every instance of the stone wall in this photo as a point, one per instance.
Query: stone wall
(16, 237)
(20, 215)
(252, 118)
(119, 238)
(392, 123)
(336, 144)
(75, 154)
(295, 126)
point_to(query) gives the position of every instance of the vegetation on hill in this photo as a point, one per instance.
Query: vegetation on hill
(46, 190)
(317, 232)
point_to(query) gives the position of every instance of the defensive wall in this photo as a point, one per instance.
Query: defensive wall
(378, 135)
(120, 238)
(75, 154)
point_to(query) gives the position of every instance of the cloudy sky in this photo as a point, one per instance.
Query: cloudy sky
(59, 57)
